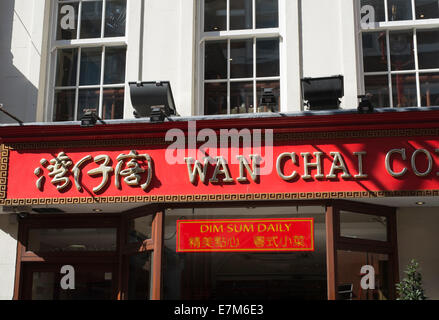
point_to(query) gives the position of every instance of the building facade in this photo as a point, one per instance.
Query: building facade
(113, 201)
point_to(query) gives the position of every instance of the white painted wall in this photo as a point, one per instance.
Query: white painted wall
(8, 251)
(418, 239)
(169, 48)
(21, 35)
(329, 43)
(325, 28)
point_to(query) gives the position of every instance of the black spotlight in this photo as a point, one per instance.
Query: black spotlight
(365, 105)
(322, 93)
(90, 118)
(153, 100)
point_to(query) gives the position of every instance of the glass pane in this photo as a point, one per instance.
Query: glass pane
(378, 87)
(267, 57)
(43, 285)
(245, 275)
(88, 99)
(378, 6)
(113, 102)
(215, 60)
(241, 97)
(91, 19)
(241, 14)
(428, 49)
(67, 21)
(140, 229)
(215, 98)
(81, 239)
(90, 284)
(67, 67)
(215, 15)
(363, 226)
(374, 51)
(64, 106)
(399, 9)
(115, 18)
(90, 73)
(427, 9)
(429, 89)
(139, 277)
(404, 90)
(267, 15)
(241, 58)
(275, 86)
(401, 50)
(115, 65)
(349, 264)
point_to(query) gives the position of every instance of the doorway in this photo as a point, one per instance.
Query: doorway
(132, 255)
(365, 248)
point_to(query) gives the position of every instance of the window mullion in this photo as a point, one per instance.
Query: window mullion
(389, 67)
(413, 10)
(228, 75)
(386, 11)
(78, 29)
(255, 95)
(78, 70)
(254, 14)
(104, 5)
(101, 91)
(228, 16)
(415, 52)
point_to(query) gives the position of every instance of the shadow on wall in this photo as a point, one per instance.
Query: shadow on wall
(17, 93)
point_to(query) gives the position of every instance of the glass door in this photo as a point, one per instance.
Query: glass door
(365, 252)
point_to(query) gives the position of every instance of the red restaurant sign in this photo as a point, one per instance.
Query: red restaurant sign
(330, 167)
(249, 235)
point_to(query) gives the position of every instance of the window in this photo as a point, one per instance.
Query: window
(89, 59)
(244, 275)
(239, 56)
(400, 48)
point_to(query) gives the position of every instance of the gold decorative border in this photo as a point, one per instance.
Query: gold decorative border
(289, 136)
(221, 197)
(4, 162)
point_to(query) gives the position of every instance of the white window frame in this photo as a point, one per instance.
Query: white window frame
(403, 25)
(130, 41)
(234, 35)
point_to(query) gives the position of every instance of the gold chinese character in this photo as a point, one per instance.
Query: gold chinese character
(272, 242)
(299, 241)
(259, 241)
(194, 242)
(286, 242)
(233, 242)
(59, 167)
(220, 242)
(77, 171)
(104, 169)
(133, 170)
(40, 181)
(207, 242)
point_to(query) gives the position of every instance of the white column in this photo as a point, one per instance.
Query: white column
(290, 55)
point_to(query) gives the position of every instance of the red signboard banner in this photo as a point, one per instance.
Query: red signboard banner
(298, 169)
(246, 235)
